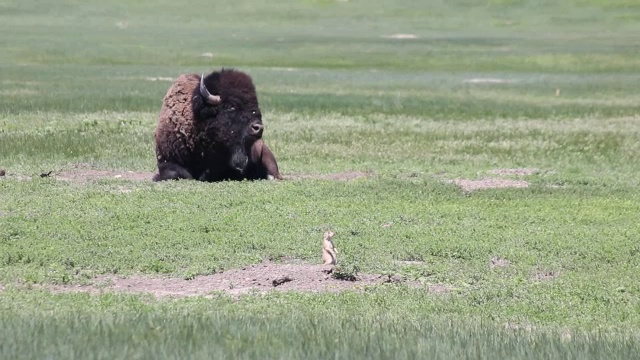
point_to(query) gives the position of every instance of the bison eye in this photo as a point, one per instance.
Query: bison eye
(231, 109)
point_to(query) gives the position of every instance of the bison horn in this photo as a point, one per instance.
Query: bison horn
(211, 99)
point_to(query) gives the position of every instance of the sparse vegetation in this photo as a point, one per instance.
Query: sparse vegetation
(410, 96)
(346, 272)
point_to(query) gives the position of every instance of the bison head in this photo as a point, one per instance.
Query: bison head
(231, 115)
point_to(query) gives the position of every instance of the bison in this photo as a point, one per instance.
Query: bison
(210, 129)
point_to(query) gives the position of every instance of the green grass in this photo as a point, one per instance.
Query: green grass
(82, 82)
(177, 333)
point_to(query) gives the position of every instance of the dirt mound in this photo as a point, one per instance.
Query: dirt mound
(258, 278)
(468, 185)
(80, 175)
(519, 172)
(82, 172)
(487, 81)
(90, 174)
(472, 185)
(498, 262)
(545, 275)
(401, 36)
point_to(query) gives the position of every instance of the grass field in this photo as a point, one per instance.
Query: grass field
(549, 270)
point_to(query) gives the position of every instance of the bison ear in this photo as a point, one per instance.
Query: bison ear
(197, 102)
(200, 109)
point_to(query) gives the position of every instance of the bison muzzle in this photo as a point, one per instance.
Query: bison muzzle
(210, 129)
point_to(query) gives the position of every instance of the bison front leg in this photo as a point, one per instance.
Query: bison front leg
(265, 161)
(171, 171)
(269, 163)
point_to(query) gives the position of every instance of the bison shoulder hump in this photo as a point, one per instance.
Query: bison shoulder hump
(176, 116)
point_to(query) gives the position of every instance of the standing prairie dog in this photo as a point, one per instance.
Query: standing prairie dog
(329, 250)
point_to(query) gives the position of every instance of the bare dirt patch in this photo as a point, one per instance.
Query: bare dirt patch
(519, 172)
(158, 78)
(89, 175)
(260, 278)
(401, 36)
(545, 275)
(80, 175)
(347, 175)
(84, 172)
(439, 289)
(487, 81)
(284, 69)
(473, 185)
(498, 262)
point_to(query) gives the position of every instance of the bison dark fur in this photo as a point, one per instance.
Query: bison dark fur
(212, 137)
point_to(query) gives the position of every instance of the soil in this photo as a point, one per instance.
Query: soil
(519, 172)
(487, 81)
(260, 278)
(439, 289)
(472, 185)
(401, 36)
(84, 173)
(90, 174)
(159, 78)
(545, 275)
(498, 262)
(493, 183)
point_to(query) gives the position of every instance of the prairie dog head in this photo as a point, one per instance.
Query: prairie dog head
(328, 237)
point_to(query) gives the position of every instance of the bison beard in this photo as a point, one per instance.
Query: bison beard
(212, 137)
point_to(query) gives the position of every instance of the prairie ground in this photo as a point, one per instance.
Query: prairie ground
(476, 160)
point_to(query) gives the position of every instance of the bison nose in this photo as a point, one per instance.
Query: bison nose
(257, 129)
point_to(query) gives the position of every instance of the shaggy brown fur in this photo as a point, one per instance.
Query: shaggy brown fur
(198, 140)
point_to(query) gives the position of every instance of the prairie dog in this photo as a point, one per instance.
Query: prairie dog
(329, 250)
